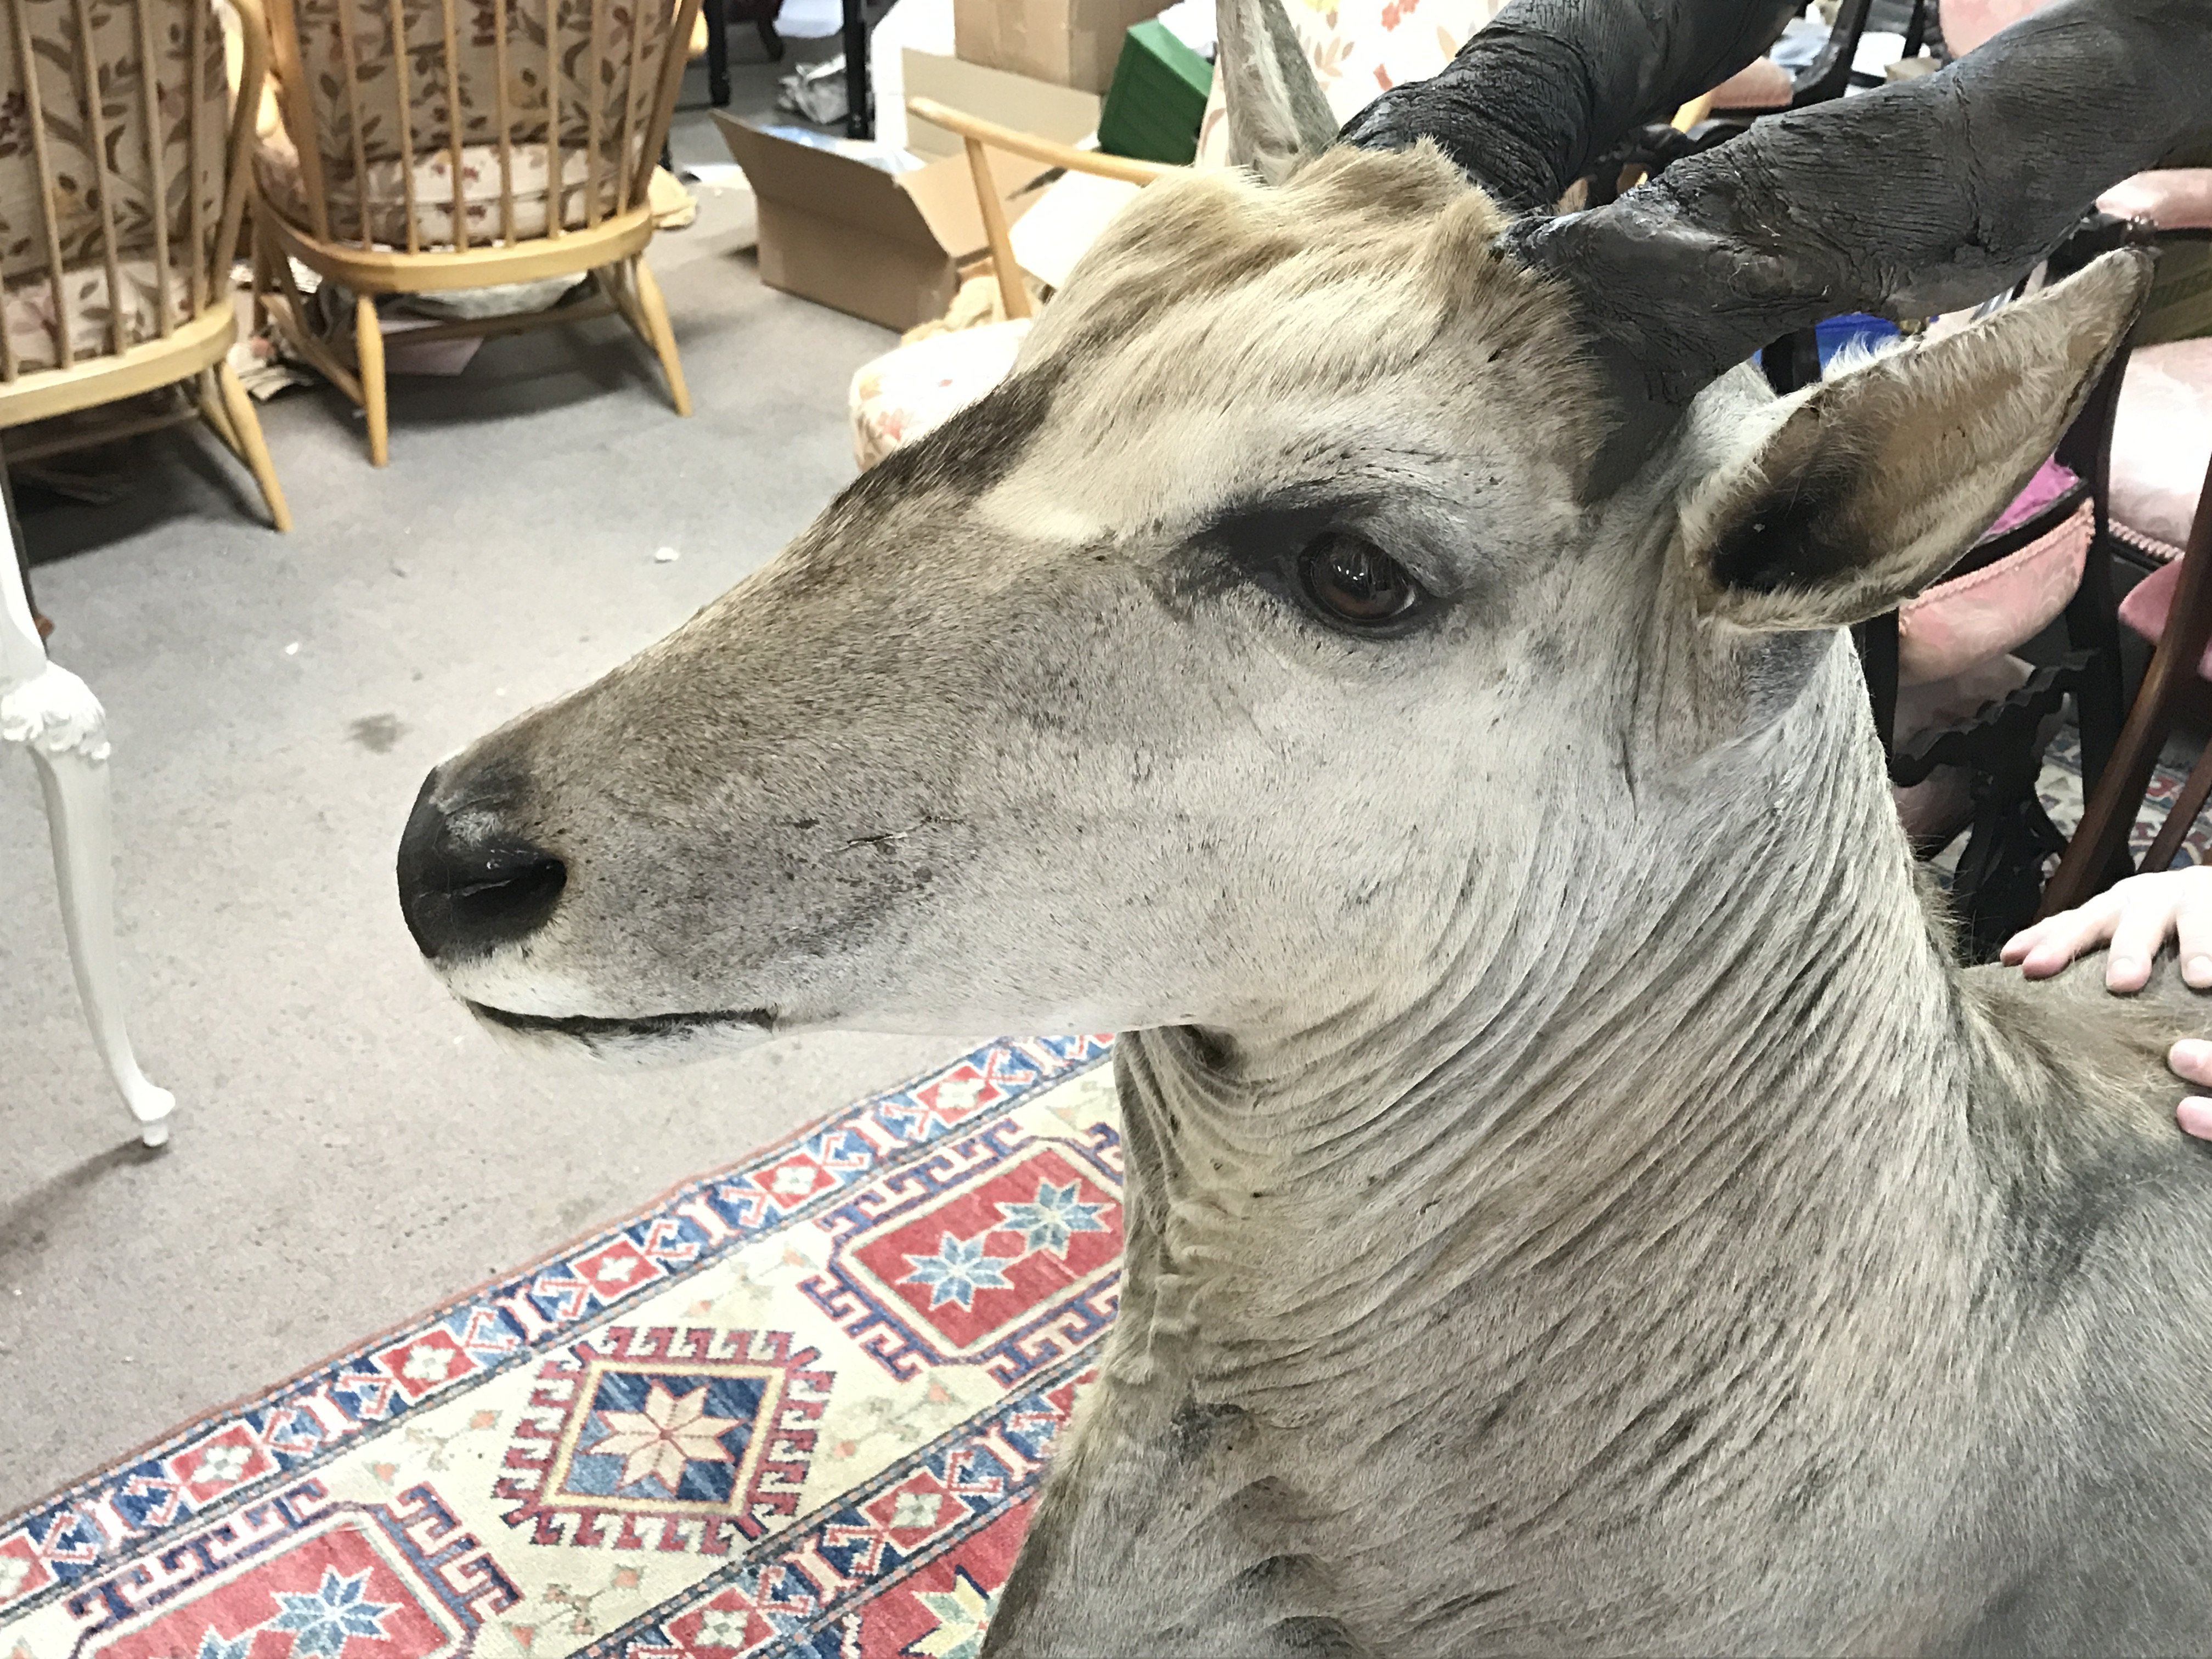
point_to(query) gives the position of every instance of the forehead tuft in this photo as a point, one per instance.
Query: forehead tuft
(1348, 213)
(1363, 302)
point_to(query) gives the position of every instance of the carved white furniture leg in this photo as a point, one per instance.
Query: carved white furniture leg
(53, 713)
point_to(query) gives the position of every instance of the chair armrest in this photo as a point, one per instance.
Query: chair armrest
(1032, 148)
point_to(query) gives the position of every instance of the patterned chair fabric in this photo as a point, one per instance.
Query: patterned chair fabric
(137, 176)
(381, 105)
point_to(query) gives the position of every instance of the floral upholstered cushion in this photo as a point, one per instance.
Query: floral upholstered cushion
(351, 81)
(98, 150)
(276, 169)
(33, 326)
(907, 392)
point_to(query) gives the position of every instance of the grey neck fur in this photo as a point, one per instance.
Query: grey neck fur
(1642, 1217)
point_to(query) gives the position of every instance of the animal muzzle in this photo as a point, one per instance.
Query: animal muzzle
(467, 885)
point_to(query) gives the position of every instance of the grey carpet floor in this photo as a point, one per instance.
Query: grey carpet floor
(349, 1149)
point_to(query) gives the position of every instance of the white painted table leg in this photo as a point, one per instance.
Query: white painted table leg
(55, 716)
(75, 784)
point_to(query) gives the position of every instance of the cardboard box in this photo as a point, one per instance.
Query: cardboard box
(1059, 113)
(861, 229)
(1072, 43)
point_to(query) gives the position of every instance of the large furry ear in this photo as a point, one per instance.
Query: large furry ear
(1276, 113)
(1872, 484)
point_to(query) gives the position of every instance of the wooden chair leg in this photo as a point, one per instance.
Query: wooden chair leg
(2101, 839)
(662, 338)
(368, 350)
(217, 414)
(262, 284)
(245, 426)
(2183, 817)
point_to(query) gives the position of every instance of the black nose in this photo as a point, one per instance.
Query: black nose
(465, 890)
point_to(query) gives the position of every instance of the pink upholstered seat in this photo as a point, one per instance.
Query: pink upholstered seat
(1989, 612)
(1758, 85)
(1967, 24)
(2161, 444)
(2172, 199)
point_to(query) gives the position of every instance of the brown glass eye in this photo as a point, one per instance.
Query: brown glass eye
(1356, 581)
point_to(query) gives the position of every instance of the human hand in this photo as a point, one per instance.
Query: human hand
(2137, 915)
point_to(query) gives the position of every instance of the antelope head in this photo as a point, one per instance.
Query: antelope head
(1351, 528)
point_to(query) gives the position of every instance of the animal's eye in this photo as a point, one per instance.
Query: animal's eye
(1356, 581)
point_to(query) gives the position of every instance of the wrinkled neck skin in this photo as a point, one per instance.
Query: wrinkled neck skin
(1662, 1166)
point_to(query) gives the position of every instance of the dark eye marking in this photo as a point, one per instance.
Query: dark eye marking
(1319, 555)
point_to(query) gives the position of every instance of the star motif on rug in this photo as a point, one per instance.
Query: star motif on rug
(957, 1272)
(962, 1614)
(215, 1645)
(673, 1430)
(323, 1620)
(1054, 1217)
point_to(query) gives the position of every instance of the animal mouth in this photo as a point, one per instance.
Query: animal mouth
(595, 1028)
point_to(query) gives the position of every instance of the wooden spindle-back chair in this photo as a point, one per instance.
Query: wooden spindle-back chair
(433, 145)
(122, 176)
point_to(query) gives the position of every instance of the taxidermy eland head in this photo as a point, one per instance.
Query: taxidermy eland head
(1350, 538)
(1382, 652)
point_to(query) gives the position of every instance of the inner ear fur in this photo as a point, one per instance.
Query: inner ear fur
(1278, 117)
(1873, 484)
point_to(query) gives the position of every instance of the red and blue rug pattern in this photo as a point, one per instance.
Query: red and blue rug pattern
(798, 1407)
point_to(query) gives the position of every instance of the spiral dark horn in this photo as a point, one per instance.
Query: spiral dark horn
(1913, 198)
(1534, 98)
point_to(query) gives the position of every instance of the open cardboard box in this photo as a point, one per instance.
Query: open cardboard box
(842, 224)
(880, 232)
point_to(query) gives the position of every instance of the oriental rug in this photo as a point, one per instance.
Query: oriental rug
(798, 1407)
(2060, 788)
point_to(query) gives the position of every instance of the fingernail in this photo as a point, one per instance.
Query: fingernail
(2195, 1116)
(2189, 1051)
(2123, 968)
(2199, 970)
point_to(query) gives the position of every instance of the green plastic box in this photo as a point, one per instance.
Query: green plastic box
(1157, 99)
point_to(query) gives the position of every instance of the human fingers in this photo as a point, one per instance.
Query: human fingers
(2145, 918)
(2052, 943)
(2192, 924)
(2190, 1060)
